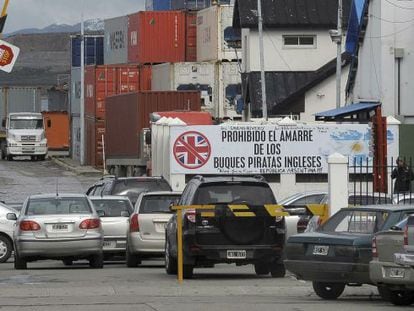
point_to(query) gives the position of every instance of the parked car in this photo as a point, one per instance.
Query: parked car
(63, 227)
(220, 236)
(114, 212)
(338, 253)
(392, 268)
(6, 231)
(146, 231)
(128, 186)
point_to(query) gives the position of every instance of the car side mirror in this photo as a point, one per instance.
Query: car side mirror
(395, 228)
(125, 214)
(100, 213)
(11, 216)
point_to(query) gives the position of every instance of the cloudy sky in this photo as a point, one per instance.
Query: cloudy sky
(41, 13)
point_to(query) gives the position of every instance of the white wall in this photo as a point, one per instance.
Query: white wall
(389, 27)
(280, 58)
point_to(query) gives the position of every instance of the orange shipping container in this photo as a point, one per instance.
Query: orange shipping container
(94, 130)
(191, 37)
(57, 130)
(156, 37)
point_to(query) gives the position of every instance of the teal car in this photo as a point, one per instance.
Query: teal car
(339, 252)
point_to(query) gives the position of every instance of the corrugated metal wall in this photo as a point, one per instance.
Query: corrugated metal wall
(116, 40)
(19, 99)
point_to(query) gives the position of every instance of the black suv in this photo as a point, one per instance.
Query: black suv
(128, 186)
(221, 237)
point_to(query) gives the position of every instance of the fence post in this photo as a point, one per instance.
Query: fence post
(337, 182)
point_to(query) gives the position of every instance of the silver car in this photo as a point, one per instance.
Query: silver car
(114, 211)
(64, 227)
(146, 232)
(7, 220)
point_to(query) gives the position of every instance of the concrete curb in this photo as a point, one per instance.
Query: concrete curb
(78, 170)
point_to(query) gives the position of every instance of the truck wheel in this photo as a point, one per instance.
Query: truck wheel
(261, 268)
(67, 262)
(41, 158)
(9, 158)
(5, 249)
(170, 261)
(3, 154)
(402, 298)
(328, 291)
(384, 292)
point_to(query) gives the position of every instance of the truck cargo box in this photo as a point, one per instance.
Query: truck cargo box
(56, 130)
(128, 114)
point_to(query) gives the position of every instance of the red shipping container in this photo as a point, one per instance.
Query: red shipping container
(156, 37)
(108, 80)
(94, 130)
(128, 114)
(145, 77)
(191, 37)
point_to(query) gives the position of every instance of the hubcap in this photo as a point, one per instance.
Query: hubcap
(3, 249)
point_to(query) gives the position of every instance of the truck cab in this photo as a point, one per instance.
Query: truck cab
(25, 136)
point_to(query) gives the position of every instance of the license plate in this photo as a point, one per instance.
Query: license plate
(160, 226)
(397, 273)
(60, 227)
(320, 250)
(236, 254)
(109, 244)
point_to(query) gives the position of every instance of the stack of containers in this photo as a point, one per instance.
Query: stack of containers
(94, 55)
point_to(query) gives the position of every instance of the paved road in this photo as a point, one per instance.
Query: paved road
(49, 285)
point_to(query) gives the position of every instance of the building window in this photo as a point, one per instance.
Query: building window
(299, 41)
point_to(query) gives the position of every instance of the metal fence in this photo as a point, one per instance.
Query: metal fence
(367, 186)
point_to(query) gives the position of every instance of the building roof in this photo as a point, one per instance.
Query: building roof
(314, 14)
(342, 113)
(284, 87)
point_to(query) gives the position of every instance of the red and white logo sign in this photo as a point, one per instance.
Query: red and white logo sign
(8, 56)
(192, 150)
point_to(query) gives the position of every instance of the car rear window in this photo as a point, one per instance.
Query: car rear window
(58, 205)
(229, 192)
(112, 208)
(132, 188)
(354, 221)
(152, 204)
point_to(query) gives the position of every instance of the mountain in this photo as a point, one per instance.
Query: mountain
(92, 25)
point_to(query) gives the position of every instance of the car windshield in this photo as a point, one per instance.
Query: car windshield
(356, 221)
(229, 192)
(132, 188)
(152, 204)
(26, 124)
(112, 208)
(58, 205)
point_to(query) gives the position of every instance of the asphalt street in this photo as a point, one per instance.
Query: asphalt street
(49, 285)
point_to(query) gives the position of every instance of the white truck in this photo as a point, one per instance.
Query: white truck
(24, 136)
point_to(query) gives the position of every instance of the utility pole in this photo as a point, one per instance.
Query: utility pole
(336, 36)
(82, 97)
(261, 48)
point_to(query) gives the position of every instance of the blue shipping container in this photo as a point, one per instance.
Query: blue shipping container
(94, 50)
(192, 4)
(157, 5)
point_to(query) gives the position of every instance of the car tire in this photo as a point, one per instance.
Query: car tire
(6, 247)
(402, 298)
(170, 261)
(188, 271)
(384, 292)
(67, 262)
(277, 270)
(9, 158)
(19, 263)
(132, 260)
(261, 268)
(96, 261)
(328, 291)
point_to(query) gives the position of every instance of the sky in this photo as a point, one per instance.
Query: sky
(42, 13)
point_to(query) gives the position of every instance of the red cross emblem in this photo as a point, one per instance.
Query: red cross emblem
(192, 150)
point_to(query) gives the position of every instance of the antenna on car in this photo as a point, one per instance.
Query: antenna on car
(57, 186)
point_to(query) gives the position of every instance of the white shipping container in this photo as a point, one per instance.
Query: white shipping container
(75, 90)
(116, 40)
(231, 88)
(216, 38)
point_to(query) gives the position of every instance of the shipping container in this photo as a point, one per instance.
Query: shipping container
(75, 137)
(108, 80)
(56, 129)
(116, 40)
(157, 5)
(192, 4)
(94, 50)
(217, 40)
(191, 37)
(55, 100)
(128, 114)
(231, 88)
(145, 77)
(75, 90)
(19, 99)
(184, 77)
(94, 133)
(157, 37)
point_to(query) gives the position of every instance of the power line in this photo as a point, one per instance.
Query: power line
(399, 6)
(389, 21)
(391, 34)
